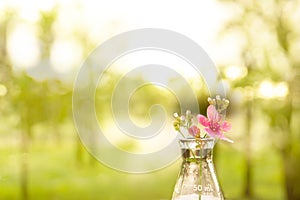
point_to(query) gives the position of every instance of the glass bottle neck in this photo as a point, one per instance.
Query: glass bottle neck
(196, 150)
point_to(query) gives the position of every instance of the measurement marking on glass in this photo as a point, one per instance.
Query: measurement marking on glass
(207, 188)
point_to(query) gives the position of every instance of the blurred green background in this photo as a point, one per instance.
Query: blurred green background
(255, 46)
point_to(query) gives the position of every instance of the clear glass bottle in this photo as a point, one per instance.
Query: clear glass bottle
(197, 178)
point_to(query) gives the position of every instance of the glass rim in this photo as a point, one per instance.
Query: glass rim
(194, 139)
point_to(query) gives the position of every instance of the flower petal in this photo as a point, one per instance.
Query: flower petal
(213, 114)
(194, 130)
(226, 126)
(203, 120)
(226, 139)
(211, 133)
(222, 137)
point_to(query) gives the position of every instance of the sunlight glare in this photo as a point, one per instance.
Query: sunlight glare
(235, 72)
(23, 46)
(3, 90)
(281, 89)
(65, 55)
(265, 90)
(269, 90)
(156, 57)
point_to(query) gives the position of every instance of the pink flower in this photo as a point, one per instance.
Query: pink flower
(214, 124)
(194, 131)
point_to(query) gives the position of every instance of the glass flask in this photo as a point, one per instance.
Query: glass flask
(197, 178)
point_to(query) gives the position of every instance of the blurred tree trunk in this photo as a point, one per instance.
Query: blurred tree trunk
(24, 163)
(291, 170)
(248, 170)
(290, 149)
(5, 66)
(291, 165)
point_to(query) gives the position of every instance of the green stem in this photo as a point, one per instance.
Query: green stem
(181, 133)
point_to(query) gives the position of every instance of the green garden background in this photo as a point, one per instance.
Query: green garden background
(41, 51)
